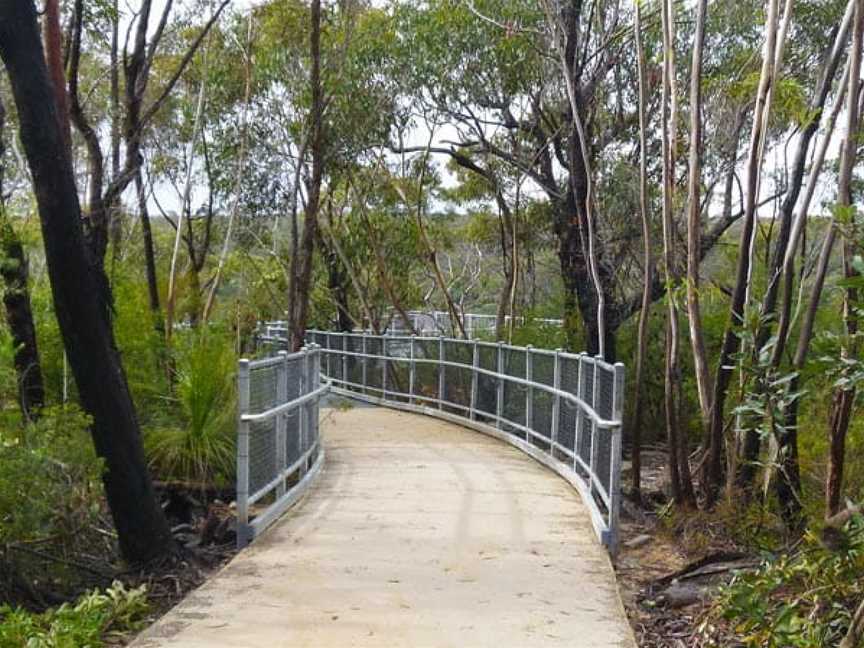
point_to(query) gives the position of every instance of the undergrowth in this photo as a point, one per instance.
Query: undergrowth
(94, 619)
(803, 599)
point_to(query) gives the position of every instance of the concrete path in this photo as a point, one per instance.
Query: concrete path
(418, 534)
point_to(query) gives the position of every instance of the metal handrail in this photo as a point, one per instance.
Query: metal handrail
(599, 461)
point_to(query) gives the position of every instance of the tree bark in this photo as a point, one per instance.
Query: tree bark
(694, 226)
(301, 278)
(679, 466)
(647, 265)
(141, 526)
(731, 342)
(845, 397)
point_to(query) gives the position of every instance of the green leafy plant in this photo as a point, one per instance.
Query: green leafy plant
(88, 623)
(800, 600)
(198, 444)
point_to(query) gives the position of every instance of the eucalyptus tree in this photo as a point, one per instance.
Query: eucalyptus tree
(142, 528)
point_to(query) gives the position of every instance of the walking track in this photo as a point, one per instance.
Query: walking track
(418, 534)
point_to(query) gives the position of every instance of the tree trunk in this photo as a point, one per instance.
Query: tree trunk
(731, 342)
(19, 316)
(844, 398)
(149, 252)
(694, 226)
(301, 278)
(141, 526)
(679, 466)
(647, 266)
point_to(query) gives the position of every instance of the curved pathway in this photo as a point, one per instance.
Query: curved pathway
(418, 534)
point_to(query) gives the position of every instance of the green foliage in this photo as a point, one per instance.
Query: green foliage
(196, 442)
(49, 477)
(90, 622)
(802, 600)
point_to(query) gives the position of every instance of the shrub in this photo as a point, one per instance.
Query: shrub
(802, 600)
(196, 443)
(52, 468)
(87, 623)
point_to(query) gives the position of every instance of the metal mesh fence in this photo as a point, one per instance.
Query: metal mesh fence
(277, 441)
(564, 406)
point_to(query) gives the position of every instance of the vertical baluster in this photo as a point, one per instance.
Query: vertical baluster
(303, 412)
(440, 372)
(615, 467)
(475, 362)
(345, 360)
(243, 531)
(281, 422)
(595, 445)
(411, 371)
(499, 393)
(384, 367)
(365, 362)
(529, 394)
(578, 432)
(556, 402)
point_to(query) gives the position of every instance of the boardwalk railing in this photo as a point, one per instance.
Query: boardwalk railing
(563, 409)
(278, 448)
(428, 323)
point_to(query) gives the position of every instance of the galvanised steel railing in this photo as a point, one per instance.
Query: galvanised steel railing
(427, 323)
(278, 447)
(562, 409)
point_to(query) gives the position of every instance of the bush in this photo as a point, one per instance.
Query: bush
(196, 440)
(803, 600)
(93, 618)
(51, 467)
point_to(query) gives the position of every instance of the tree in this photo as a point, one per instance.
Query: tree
(141, 526)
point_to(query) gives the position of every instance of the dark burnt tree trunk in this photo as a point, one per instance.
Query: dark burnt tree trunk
(16, 301)
(19, 317)
(87, 336)
(149, 253)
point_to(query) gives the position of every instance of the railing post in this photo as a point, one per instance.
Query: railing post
(328, 346)
(365, 361)
(281, 423)
(316, 383)
(243, 529)
(345, 360)
(529, 395)
(475, 362)
(556, 403)
(595, 446)
(580, 415)
(499, 396)
(411, 371)
(384, 367)
(440, 372)
(615, 468)
(303, 418)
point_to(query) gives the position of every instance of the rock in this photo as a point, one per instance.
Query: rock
(638, 541)
(679, 595)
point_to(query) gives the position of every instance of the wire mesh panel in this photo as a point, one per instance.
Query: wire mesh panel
(374, 365)
(426, 372)
(513, 407)
(277, 439)
(457, 380)
(585, 426)
(568, 381)
(398, 366)
(263, 461)
(487, 385)
(354, 359)
(543, 373)
(603, 404)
